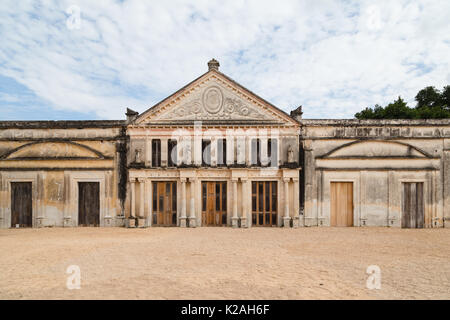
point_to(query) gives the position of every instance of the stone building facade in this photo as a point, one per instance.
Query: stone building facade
(216, 154)
(393, 167)
(45, 164)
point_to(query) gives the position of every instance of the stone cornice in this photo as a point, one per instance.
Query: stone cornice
(374, 123)
(71, 124)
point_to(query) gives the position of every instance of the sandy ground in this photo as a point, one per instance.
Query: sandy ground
(224, 263)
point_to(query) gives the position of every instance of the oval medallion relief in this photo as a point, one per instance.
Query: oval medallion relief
(213, 99)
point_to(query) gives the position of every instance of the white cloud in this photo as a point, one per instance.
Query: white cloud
(333, 57)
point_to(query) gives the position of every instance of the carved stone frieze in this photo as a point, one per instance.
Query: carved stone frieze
(213, 103)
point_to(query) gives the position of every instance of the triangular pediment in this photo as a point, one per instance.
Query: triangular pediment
(214, 98)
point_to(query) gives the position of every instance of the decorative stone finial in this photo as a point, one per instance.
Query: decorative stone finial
(297, 113)
(131, 115)
(213, 65)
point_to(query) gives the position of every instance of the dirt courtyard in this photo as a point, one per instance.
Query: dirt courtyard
(225, 263)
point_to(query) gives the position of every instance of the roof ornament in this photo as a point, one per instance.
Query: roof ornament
(131, 115)
(297, 113)
(213, 64)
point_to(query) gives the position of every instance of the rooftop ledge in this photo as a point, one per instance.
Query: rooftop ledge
(61, 124)
(374, 123)
(67, 124)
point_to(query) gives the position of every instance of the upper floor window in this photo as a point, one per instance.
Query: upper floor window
(206, 152)
(272, 152)
(156, 153)
(256, 152)
(172, 153)
(221, 152)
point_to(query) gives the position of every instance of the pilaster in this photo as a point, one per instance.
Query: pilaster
(235, 218)
(286, 217)
(183, 217)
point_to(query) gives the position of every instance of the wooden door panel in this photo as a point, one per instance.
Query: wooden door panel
(164, 203)
(350, 221)
(21, 204)
(214, 198)
(264, 203)
(89, 204)
(412, 205)
(420, 214)
(341, 197)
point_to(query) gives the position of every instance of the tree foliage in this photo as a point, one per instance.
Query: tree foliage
(431, 104)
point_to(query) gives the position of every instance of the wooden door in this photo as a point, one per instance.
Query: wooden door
(214, 203)
(164, 204)
(21, 205)
(264, 204)
(89, 204)
(412, 205)
(341, 204)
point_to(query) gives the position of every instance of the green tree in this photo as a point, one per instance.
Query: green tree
(445, 98)
(398, 110)
(367, 113)
(428, 97)
(431, 104)
(395, 110)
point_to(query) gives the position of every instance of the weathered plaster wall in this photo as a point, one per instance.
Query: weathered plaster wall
(54, 157)
(377, 156)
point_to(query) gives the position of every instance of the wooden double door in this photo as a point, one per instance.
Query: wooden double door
(412, 205)
(164, 204)
(341, 204)
(264, 203)
(89, 204)
(21, 205)
(214, 203)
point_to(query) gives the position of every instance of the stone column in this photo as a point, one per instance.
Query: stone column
(132, 217)
(39, 191)
(213, 151)
(197, 148)
(263, 151)
(244, 219)
(235, 218)
(67, 214)
(164, 152)
(141, 218)
(241, 150)
(149, 192)
(296, 222)
(248, 151)
(148, 153)
(132, 198)
(142, 198)
(230, 149)
(310, 186)
(192, 218)
(183, 203)
(286, 218)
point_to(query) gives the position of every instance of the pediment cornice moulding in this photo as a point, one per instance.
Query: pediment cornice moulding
(279, 118)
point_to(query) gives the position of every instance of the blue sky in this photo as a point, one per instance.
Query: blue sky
(332, 57)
